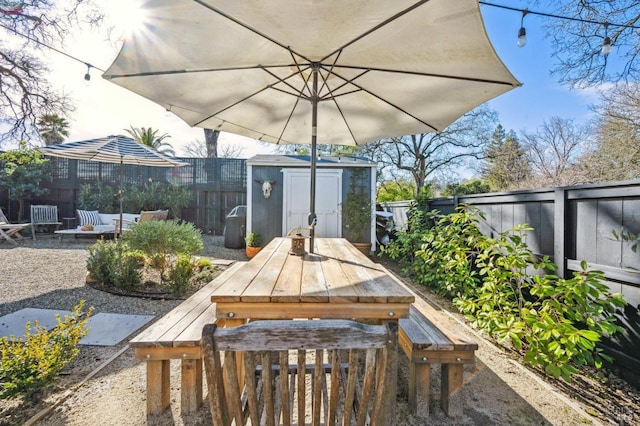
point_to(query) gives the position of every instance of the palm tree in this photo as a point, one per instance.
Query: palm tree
(150, 138)
(53, 128)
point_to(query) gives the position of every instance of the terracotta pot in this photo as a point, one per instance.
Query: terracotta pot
(365, 248)
(252, 251)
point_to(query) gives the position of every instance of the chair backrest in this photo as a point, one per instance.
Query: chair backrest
(153, 215)
(44, 214)
(329, 371)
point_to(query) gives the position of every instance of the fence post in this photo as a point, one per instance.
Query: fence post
(560, 211)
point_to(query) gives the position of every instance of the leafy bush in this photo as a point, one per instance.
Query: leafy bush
(160, 239)
(555, 323)
(103, 260)
(180, 274)
(30, 364)
(113, 264)
(99, 196)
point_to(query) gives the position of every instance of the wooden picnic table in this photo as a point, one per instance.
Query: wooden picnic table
(335, 282)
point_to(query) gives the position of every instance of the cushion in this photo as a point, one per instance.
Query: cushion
(88, 217)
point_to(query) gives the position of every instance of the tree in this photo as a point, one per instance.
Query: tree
(616, 155)
(25, 91)
(467, 187)
(53, 129)
(425, 155)
(198, 149)
(211, 142)
(577, 44)
(505, 166)
(554, 149)
(399, 190)
(150, 138)
(22, 171)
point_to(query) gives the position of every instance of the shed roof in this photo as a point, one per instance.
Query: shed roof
(305, 160)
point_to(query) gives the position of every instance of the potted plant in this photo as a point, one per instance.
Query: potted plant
(254, 244)
(356, 219)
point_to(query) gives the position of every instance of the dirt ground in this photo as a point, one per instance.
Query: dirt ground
(106, 386)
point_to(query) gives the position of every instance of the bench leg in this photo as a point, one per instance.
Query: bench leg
(450, 396)
(419, 385)
(191, 389)
(158, 372)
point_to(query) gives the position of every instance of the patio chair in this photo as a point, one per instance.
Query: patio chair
(145, 215)
(44, 215)
(296, 370)
(10, 230)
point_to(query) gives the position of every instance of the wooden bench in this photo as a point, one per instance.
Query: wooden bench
(43, 215)
(426, 338)
(177, 336)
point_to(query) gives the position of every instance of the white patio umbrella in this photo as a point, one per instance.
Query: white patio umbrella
(329, 72)
(113, 149)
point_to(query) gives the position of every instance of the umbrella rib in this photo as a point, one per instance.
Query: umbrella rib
(377, 27)
(425, 74)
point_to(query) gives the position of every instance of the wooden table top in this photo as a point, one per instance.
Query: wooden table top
(337, 281)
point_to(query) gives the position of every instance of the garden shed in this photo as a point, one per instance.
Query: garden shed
(278, 194)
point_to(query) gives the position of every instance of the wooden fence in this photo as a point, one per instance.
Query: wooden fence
(217, 184)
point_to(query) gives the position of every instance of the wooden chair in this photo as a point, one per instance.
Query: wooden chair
(145, 215)
(43, 215)
(10, 230)
(297, 372)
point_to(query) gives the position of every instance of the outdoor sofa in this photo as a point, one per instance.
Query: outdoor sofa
(104, 222)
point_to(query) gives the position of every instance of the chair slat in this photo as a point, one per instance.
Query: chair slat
(318, 375)
(350, 391)
(302, 384)
(284, 388)
(232, 390)
(250, 388)
(335, 387)
(367, 387)
(267, 389)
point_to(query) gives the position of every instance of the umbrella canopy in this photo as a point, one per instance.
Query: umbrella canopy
(113, 149)
(329, 72)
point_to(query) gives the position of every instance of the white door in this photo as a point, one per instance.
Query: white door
(328, 198)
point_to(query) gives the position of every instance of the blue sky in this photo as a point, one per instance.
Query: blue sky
(540, 96)
(104, 108)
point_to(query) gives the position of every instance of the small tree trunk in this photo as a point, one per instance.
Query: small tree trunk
(211, 141)
(20, 209)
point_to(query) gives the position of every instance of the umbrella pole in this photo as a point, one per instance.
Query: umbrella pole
(314, 134)
(121, 196)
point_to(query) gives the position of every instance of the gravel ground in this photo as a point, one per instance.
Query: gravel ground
(49, 273)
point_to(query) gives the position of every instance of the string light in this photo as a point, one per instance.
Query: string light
(606, 42)
(522, 40)
(522, 33)
(87, 76)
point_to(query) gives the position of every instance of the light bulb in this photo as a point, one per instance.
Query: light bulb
(522, 37)
(606, 46)
(87, 76)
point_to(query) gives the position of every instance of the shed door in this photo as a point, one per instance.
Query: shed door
(328, 198)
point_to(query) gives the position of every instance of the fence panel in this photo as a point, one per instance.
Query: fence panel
(217, 184)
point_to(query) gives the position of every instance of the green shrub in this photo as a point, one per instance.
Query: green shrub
(112, 264)
(98, 196)
(103, 261)
(180, 274)
(160, 239)
(505, 290)
(31, 363)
